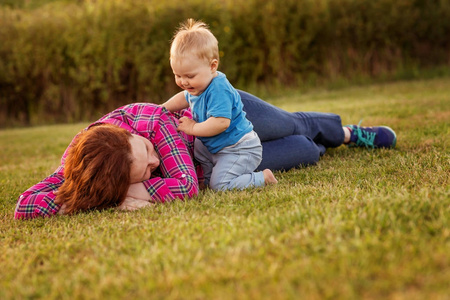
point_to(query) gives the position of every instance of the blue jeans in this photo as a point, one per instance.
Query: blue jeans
(291, 140)
(232, 167)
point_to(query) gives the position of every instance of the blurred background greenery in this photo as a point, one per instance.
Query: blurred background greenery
(74, 60)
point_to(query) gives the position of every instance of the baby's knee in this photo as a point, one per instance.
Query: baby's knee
(218, 186)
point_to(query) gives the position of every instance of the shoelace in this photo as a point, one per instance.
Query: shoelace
(365, 138)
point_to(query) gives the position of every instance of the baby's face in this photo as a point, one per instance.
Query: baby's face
(193, 74)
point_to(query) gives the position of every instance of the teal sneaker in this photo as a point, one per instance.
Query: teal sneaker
(372, 137)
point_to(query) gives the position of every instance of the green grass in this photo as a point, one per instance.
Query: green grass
(358, 225)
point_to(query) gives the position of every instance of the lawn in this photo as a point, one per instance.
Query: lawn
(358, 225)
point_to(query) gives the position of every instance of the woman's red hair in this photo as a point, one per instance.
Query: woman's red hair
(97, 169)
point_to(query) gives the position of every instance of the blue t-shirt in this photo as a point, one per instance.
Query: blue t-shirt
(220, 99)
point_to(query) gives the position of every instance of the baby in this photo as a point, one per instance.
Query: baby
(226, 145)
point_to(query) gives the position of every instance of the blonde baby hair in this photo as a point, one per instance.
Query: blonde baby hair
(194, 37)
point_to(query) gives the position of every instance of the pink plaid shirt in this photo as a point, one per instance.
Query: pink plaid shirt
(176, 177)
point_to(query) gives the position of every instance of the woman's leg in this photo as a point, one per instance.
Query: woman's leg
(291, 140)
(271, 122)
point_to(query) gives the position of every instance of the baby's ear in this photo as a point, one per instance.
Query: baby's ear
(214, 65)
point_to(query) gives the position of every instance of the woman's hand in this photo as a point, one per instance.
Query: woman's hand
(62, 210)
(137, 197)
(138, 191)
(131, 204)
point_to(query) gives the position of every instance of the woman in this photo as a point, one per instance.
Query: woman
(149, 161)
(133, 149)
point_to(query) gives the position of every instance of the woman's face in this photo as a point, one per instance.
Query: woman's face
(145, 159)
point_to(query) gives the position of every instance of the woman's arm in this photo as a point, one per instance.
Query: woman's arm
(179, 178)
(39, 200)
(138, 191)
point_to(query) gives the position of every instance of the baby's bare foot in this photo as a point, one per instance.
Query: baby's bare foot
(269, 178)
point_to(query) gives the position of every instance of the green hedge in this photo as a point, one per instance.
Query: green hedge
(75, 60)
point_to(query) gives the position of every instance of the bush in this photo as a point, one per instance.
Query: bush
(75, 60)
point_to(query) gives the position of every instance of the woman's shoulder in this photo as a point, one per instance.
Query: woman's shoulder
(135, 117)
(137, 111)
(141, 108)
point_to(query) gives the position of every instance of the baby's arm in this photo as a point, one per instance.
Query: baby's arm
(211, 127)
(176, 103)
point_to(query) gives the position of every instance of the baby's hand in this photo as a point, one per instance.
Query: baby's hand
(186, 125)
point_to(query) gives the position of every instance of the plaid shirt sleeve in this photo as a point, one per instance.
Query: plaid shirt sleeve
(39, 200)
